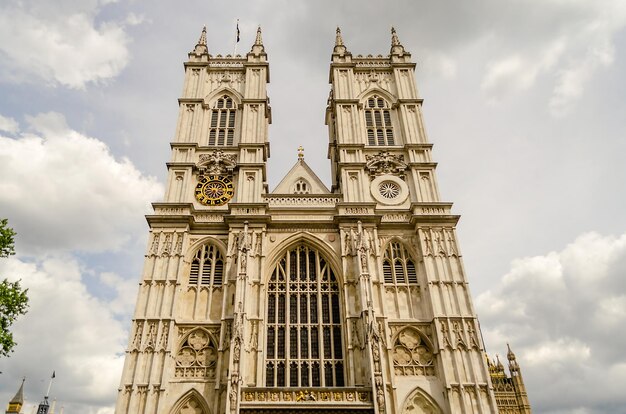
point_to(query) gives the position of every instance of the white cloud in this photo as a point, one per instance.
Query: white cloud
(67, 330)
(64, 191)
(576, 40)
(60, 42)
(563, 313)
(9, 125)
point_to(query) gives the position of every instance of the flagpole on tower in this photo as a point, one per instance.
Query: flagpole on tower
(236, 40)
(50, 384)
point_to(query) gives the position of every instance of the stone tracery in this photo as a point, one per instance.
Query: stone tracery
(197, 355)
(412, 355)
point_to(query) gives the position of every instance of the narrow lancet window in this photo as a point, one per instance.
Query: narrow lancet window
(378, 122)
(398, 265)
(207, 267)
(222, 122)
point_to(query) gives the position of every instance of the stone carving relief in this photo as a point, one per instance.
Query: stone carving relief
(253, 342)
(372, 78)
(197, 355)
(216, 163)
(411, 355)
(257, 250)
(165, 332)
(358, 341)
(151, 336)
(439, 242)
(359, 244)
(471, 332)
(154, 247)
(458, 333)
(445, 335)
(137, 338)
(167, 245)
(385, 163)
(178, 249)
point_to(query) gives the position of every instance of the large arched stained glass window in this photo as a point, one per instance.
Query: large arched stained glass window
(304, 346)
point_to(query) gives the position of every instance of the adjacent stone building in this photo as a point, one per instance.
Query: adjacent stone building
(341, 300)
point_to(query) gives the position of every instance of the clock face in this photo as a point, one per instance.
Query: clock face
(214, 190)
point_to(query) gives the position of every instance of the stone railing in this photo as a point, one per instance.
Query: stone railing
(304, 396)
(432, 209)
(298, 201)
(171, 211)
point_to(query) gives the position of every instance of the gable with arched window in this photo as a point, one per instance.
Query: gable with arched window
(301, 186)
(398, 265)
(207, 267)
(304, 337)
(222, 122)
(378, 122)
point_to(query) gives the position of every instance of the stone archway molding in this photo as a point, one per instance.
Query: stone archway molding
(191, 402)
(419, 402)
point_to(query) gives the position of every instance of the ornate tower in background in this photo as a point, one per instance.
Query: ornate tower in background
(16, 403)
(510, 391)
(352, 299)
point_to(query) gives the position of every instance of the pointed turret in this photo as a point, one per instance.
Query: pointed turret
(257, 47)
(340, 48)
(201, 47)
(15, 405)
(518, 382)
(396, 46)
(512, 360)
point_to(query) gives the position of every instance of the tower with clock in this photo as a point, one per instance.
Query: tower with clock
(345, 299)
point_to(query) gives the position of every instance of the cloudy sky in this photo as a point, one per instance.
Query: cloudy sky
(525, 102)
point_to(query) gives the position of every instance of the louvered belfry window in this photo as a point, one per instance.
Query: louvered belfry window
(378, 122)
(207, 267)
(398, 266)
(304, 345)
(222, 124)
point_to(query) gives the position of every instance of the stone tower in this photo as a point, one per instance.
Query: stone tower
(510, 391)
(348, 299)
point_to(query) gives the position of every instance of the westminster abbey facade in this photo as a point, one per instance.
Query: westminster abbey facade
(351, 299)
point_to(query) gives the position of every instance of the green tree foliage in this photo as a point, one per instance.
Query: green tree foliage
(13, 299)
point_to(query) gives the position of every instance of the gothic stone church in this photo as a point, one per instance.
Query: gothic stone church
(348, 300)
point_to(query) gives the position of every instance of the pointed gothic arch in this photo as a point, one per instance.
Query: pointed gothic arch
(205, 262)
(363, 96)
(211, 98)
(381, 119)
(400, 262)
(193, 247)
(191, 402)
(420, 402)
(313, 242)
(224, 117)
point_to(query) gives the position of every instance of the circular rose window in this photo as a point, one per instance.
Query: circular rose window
(389, 189)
